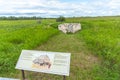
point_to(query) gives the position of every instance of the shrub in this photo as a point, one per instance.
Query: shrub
(60, 19)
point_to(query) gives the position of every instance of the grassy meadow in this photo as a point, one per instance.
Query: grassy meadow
(18, 35)
(102, 37)
(95, 50)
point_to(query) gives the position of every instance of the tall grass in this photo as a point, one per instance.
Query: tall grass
(18, 35)
(102, 36)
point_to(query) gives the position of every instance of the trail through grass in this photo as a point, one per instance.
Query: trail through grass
(82, 61)
(95, 50)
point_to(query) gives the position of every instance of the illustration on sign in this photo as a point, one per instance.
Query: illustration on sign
(42, 62)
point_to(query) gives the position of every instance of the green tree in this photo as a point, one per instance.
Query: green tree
(60, 19)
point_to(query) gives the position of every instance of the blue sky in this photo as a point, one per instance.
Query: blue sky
(55, 8)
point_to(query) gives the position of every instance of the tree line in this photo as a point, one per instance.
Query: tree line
(19, 18)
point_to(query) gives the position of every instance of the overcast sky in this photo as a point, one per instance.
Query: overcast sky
(55, 8)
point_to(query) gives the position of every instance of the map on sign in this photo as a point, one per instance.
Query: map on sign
(8, 79)
(43, 61)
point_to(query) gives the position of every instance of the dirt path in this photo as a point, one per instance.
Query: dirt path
(82, 61)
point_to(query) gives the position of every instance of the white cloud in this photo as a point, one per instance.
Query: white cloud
(114, 4)
(56, 7)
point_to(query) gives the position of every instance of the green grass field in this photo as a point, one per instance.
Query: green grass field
(95, 50)
(18, 35)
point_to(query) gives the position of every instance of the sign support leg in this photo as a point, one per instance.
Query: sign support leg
(23, 75)
(64, 77)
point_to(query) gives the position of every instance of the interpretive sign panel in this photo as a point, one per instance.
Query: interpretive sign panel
(43, 61)
(8, 79)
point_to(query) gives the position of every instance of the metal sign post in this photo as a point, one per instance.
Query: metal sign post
(23, 75)
(64, 77)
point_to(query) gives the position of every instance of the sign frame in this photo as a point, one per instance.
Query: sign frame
(59, 61)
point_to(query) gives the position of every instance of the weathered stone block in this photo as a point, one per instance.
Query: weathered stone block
(69, 27)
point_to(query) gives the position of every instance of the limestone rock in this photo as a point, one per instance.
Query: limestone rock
(69, 27)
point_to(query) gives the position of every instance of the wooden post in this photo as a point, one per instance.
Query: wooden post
(64, 78)
(23, 75)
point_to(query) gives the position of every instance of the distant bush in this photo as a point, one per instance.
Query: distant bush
(60, 19)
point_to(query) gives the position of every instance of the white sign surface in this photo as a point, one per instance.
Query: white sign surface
(8, 79)
(43, 61)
